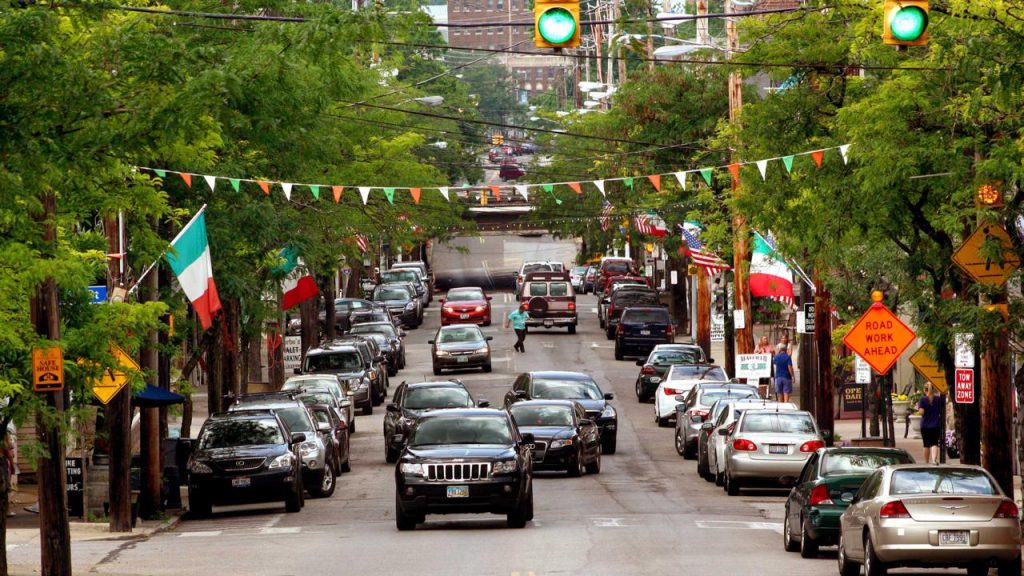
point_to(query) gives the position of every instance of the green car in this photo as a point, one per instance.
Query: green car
(825, 488)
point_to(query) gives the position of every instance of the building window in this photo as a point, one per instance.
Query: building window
(551, 72)
(479, 4)
(501, 4)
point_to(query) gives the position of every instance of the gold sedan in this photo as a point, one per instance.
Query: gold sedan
(930, 516)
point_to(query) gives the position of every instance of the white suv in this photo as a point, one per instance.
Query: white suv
(535, 266)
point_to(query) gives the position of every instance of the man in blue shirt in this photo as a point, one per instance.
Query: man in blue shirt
(518, 321)
(783, 373)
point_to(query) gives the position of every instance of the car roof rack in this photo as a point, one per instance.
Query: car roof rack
(546, 276)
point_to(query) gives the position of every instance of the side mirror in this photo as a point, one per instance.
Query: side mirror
(680, 398)
(528, 440)
(391, 407)
(350, 394)
(345, 403)
(520, 393)
(298, 437)
(482, 403)
(490, 298)
(441, 301)
(707, 425)
(323, 427)
(430, 341)
(398, 439)
(640, 362)
(401, 333)
(489, 338)
(609, 396)
(297, 370)
(680, 407)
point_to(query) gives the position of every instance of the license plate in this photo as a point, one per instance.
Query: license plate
(954, 538)
(458, 491)
(548, 323)
(778, 449)
(463, 316)
(240, 482)
(645, 332)
(462, 359)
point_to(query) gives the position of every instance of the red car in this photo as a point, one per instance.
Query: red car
(466, 306)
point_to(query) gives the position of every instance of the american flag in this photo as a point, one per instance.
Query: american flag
(363, 242)
(606, 212)
(652, 225)
(709, 261)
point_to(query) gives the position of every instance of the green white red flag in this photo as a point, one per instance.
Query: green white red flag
(189, 258)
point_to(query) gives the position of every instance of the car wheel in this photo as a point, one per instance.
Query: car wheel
(680, 444)
(390, 455)
(572, 328)
(575, 468)
(392, 371)
(352, 425)
(872, 565)
(732, 485)
(518, 517)
(847, 567)
(689, 450)
(368, 409)
(601, 322)
(662, 422)
(487, 367)
(346, 466)
(979, 569)
(327, 483)
(595, 466)
(789, 544)
(609, 333)
(702, 465)
(1009, 567)
(529, 506)
(608, 444)
(437, 370)
(199, 507)
(488, 321)
(808, 546)
(639, 392)
(403, 521)
(293, 501)
(719, 479)
(618, 352)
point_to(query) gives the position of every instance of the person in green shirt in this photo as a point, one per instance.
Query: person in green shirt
(518, 321)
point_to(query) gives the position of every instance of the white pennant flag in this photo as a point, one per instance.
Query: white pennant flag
(444, 192)
(287, 190)
(600, 186)
(522, 192)
(681, 176)
(843, 150)
(212, 181)
(762, 167)
(364, 191)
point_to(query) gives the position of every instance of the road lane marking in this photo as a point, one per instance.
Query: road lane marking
(201, 534)
(609, 523)
(273, 520)
(740, 525)
(281, 530)
(596, 345)
(593, 310)
(547, 344)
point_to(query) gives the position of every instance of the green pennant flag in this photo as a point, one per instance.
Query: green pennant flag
(235, 183)
(628, 182)
(390, 193)
(706, 173)
(315, 190)
(550, 189)
(161, 173)
(788, 161)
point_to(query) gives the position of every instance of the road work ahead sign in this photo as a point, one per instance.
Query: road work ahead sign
(879, 337)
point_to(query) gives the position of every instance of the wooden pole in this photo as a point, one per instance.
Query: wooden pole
(808, 368)
(118, 414)
(703, 312)
(997, 405)
(823, 349)
(741, 248)
(149, 445)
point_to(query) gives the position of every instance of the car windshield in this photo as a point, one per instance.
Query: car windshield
(462, 430)
(381, 340)
(464, 295)
(316, 397)
(541, 415)
(579, 270)
(839, 463)
(441, 397)
(698, 373)
(460, 334)
(566, 390)
(711, 396)
(675, 357)
(241, 432)
(941, 481)
(364, 317)
(615, 267)
(382, 294)
(399, 276)
(346, 305)
(347, 361)
(306, 382)
(383, 330)
(536, 268)
(296, 418)
(616, 284)
(777, 423)
(634, 298)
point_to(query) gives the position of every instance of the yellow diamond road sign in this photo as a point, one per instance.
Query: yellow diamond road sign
(113, 380)
(978, 260)
(926, 365)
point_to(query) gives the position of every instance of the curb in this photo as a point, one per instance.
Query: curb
(144, 534)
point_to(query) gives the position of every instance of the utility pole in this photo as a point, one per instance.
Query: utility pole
(703, 34)
(149, 361)
(997, 394)
(808, 370)
(54, 530)
(703, 312)
(119, 409)
(741, 248)
(823, 347)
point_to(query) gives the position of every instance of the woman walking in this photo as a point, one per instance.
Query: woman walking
(930, 406)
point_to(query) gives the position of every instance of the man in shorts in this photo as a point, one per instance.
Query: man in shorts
(783, 363)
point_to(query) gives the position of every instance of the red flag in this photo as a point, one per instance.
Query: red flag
(187, 178)
(656, 180)
(337, 193)
(415, 194)
(265, 186)
(576, 186)
(497, 192)
(818, 156)
(734, 169)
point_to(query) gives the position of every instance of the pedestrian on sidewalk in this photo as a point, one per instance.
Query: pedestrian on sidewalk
(931, 420)
(518, 321)
(764, 347)
(783, 373)
(784, 342)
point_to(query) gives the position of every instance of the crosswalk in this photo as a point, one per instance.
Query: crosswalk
(243, 525)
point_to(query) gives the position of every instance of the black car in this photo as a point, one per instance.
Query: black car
(400, 303)
(343, 308)
(570, 386)
(245, 457)
(658, 362)
(346, 362)
(462, 461)
(628, 296)
(374, 361)
(411, 401)
(388, 339)
(642, 328)
(377, 314)
(563, 437)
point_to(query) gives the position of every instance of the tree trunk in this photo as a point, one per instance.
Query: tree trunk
(5, 502)
(310, 325)
(215, 367)
(232, 357)
(327, 288)
(997, 406)
(149, 494)
(872, 398)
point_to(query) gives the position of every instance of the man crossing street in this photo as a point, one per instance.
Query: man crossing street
(518, 321)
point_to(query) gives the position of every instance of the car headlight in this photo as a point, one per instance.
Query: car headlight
(608, 411)
(360, 385)
(309, 449)
(479, 309)
(412, 468)
(282, 461)
(410, 306)
(483, 350)
(561, 443)
(197, 467)
(503, 467)
(449, 310)
(442, 353)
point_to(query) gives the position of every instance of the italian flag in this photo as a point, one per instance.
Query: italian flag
(298, 285)
(770, 276)
(189, 257)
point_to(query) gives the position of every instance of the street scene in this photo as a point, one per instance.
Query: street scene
(512, 288)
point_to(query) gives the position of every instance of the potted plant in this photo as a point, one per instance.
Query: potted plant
(952, 445)
(900, 406)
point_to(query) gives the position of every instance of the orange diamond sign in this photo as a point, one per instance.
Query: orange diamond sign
(973, 259)
(879, 337)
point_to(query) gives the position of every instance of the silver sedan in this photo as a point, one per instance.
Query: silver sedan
(769, 447)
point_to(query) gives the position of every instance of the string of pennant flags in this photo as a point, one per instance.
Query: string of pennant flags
(683, 177)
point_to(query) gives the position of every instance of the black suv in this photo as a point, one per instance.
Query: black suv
(400, 303)
(463, 461)
(570, 386)
(640, 329)
(412, 400)
(245, 457)
(627, 297)
(389, 340)
(374, 360)
(347, 363)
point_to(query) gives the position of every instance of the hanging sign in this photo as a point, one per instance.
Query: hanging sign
(879, 337)
(718, 327)
(113, 380)
(963, 354)
(292, 353)
(924, 362)
(753, 366)
(47, 369)
(808, 318)
(964, 386)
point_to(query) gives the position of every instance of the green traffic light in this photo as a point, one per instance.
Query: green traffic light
(909, 23)
(556, 26)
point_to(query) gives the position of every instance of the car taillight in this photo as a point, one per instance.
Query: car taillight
(744, 445)
(648, 370)
(812, 446)
(668, 330)
(820, 496)
(572, 305)
(1007, 510)
(611, 309)
(620, 329)
(894, 509)
(698, 415)
(672, 391)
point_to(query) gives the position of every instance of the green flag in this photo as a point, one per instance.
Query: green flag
(161, 173)
(235, 183)
(628, 182)
(315, 190)
(788, 161)
(390, 193)
(706, 173)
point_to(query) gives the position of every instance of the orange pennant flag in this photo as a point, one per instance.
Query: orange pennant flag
(656, 180)
(187, 178)
(734, 169)
(265, 186)
(819, 156)
(576, 186)
(415, 194)
(337, 193)
(497, 193)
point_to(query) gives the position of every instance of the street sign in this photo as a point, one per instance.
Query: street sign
(47, 369)
(753, 366)
(739, 319)
(809, 318)
(862, 370)
(978, 262)
(113, 380)
(98, 293)
(880, 337)
(964, 386)
(801, 322)
(292, 353)
(924, 362)
(963, 356)
(718, 327)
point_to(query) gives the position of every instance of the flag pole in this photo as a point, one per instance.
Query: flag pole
(154, 263)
